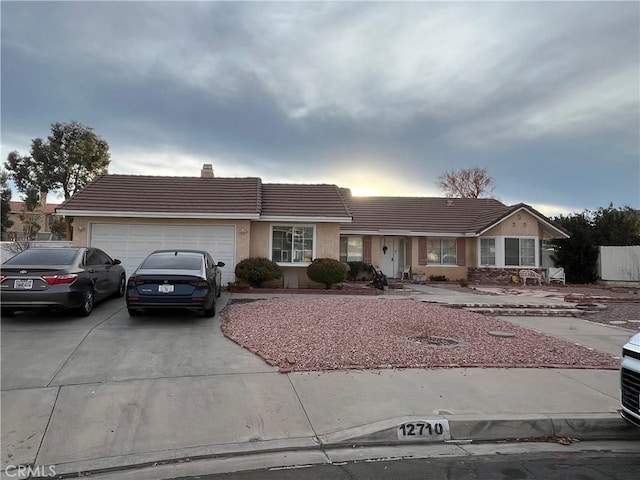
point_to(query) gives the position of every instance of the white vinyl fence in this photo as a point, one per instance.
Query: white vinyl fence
(620, 265)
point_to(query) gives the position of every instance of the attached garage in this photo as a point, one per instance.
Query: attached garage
(131, 243)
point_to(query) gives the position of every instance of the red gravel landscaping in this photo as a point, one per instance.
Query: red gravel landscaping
(353, 333)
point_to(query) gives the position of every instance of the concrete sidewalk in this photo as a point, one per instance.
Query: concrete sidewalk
(142, 423)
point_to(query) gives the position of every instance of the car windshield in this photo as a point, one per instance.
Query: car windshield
(43, 256)
(173, 261)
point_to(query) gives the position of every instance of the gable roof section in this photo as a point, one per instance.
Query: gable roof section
(302, 202)
(166, 197)
(549, 225)
(431, 216)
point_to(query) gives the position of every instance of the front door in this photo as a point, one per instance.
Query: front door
(392, 256)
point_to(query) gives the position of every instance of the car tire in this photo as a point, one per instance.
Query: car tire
(218, 292)
(134, 313)
(88, 300)
(210, 312)
(122, 287)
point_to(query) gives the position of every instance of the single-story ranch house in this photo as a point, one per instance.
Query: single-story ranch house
(128, 216)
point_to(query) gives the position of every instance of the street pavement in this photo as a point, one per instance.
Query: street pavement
(152, 396)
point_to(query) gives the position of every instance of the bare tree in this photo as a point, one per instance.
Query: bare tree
(466, 183)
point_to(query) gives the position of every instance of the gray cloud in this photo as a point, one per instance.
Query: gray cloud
(545, 95)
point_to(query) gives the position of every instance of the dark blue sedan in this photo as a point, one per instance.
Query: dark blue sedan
(175, 279)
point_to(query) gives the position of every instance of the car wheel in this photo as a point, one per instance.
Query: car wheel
(122, 287)
(218, 292)
(210, 312)
(87, 303)
(134, 313)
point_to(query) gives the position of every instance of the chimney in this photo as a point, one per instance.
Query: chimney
(207, 171)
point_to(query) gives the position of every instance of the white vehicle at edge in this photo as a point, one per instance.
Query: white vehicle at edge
(630, 381)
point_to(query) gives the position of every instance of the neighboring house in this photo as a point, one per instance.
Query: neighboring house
(43, 217)
(236, 218)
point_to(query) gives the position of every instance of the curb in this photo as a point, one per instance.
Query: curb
(480, 428)
(461, 429)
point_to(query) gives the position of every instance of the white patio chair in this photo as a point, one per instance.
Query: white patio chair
(406, 272)
(556, 274)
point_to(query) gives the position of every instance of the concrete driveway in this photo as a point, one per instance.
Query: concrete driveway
(66, 380)
(42, 349)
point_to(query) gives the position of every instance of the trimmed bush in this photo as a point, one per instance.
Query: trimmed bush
(256, 271)
(327, 271)
(359, 271)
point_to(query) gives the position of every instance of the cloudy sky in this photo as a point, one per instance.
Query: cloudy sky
(379, 97)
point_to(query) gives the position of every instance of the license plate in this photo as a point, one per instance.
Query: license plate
(425, 430)
(23, 284)
(165, 288)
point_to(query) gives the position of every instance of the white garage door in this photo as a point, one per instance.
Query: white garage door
(132, 243)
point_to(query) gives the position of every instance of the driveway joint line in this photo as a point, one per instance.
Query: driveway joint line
(64, 364)
(46, 428)
(313, 429)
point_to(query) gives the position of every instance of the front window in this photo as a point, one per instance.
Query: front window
(351, 249)
(520, 252)
(487, 251)
(442, 251)
(291, 244)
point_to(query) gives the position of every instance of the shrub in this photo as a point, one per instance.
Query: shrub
(359, 271)
(438, 278)
(327, 271)
(258, 270)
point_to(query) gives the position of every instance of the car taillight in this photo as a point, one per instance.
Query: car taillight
(2, 277)
(199, 282)
(60, 279)
(135, 281)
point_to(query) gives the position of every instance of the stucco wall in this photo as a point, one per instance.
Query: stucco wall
(259, 245)
(328, 240)
(521, 224)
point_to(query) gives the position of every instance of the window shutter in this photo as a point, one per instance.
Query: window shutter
(366, 249)
(422, 251)
(462, 251)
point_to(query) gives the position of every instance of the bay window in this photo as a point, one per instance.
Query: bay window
(519, 252)
(487, 251)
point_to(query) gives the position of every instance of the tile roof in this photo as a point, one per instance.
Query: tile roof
(137, 195)
(18, 207)
(140, 194)
(422, 214)
(302, 200)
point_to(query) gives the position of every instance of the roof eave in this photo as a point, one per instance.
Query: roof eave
(300, 218)
(208, 216)
(405, 233)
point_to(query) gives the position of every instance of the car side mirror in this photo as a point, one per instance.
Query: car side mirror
(116, 261)
(220, 264)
